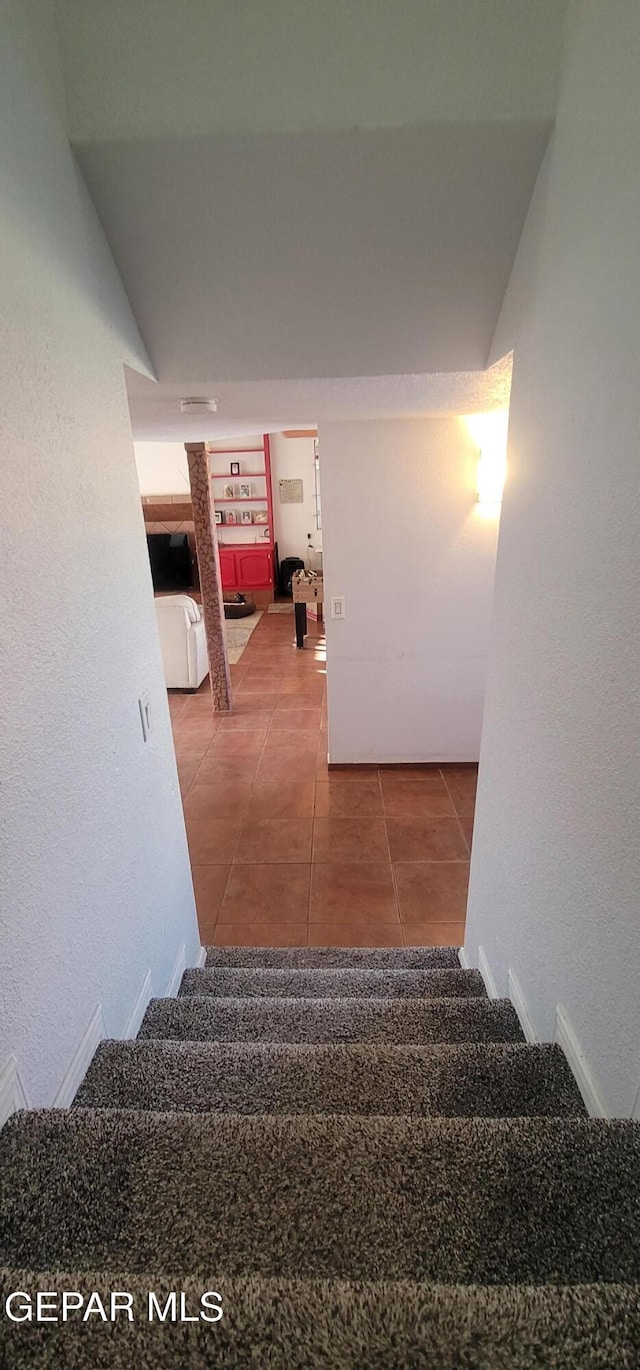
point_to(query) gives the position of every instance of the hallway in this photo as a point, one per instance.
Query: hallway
(285, 852)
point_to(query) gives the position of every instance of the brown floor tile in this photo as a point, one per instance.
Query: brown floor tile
(213, 841)
(252, 703)
(209, 884)
(461, 782)
(407, 798)
(267, 894)
(284, 768)
(425, 934)
(293, 703)
(338, 775)
(187, 771)
(296, 720)
(290, 746)
(354, 933)
(432, 891)
(250, 720)
(425, 839)
(245, 742)
(218, 799)
(350, 839)
(467, 827)
(270, 934)
(352, 891)
(282, 799)
(215, 768)
(275, 840)
(360, 797)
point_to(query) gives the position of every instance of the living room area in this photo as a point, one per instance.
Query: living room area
(287, 846)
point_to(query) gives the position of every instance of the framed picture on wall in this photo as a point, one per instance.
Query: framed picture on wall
(260, 516)
(230, 516)
(245, 516)
(229, 492)
(244, 490)
(235, 468)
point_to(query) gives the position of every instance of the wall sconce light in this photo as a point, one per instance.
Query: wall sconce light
(489, 431)
(492, 469)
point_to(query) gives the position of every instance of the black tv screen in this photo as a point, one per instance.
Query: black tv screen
(170, 561)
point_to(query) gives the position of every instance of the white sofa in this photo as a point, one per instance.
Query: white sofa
(183, 641)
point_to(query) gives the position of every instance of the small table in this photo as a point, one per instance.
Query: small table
(305, 591)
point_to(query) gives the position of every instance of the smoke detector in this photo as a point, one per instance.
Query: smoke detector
(195, 406)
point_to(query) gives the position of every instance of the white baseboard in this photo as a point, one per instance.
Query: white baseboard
(80, 1061)
(139, 1008)
(177, 973)
(485, 971)
(202, 959)
(566, 1038)
(520, 1005)
(464, 959)
(12, 1094)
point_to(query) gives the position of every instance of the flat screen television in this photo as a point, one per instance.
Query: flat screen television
(170, 559)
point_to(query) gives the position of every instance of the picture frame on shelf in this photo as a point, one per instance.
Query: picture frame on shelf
(231, 517)
(235, 468)
(218, 513)
(260, 516)
(245, 516)
(244, 490)
(229, 492)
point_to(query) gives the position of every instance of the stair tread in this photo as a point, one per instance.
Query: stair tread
(202, 1017)
(332, 982)
(503, 1080)
(312, 958)
(518, 1201)
(333, 1324)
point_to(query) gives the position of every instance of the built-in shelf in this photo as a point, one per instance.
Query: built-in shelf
(244, 499)
(238, 475)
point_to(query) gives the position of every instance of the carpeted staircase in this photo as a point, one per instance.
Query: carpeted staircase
(358, 1151)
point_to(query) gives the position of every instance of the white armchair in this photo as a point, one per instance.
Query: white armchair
(183, 641)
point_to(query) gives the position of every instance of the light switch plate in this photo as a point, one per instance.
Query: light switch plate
(338, 606)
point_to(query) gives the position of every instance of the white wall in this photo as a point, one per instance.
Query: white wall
(293, 459)
(162, 468)
(407, 544)
(95, 880)
(554, 873)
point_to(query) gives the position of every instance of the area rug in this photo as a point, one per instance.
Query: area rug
(280, 609)
(238, 631)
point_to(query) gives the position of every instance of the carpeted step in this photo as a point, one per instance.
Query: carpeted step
(458, 1201)
(489, 1081)
(336, 1325)
(202, 1018)
(317, 958)
(334, 983)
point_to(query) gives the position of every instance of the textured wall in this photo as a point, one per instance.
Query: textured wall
(554, 874)
(406, 543)
(293, 459)
(95, 882)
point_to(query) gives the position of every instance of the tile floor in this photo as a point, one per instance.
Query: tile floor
(285, 852)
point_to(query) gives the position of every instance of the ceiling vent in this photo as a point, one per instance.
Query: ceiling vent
(198, 406)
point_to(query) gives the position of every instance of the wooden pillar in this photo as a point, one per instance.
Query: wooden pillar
(210, 579)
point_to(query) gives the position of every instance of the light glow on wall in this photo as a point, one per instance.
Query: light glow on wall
(489, 431)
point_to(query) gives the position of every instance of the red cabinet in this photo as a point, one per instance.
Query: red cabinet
(246, 568)
(227, 568)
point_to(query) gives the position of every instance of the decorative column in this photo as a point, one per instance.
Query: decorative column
(204, 524)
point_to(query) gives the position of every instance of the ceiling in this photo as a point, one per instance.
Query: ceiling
(268, 406)
(311, 191)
